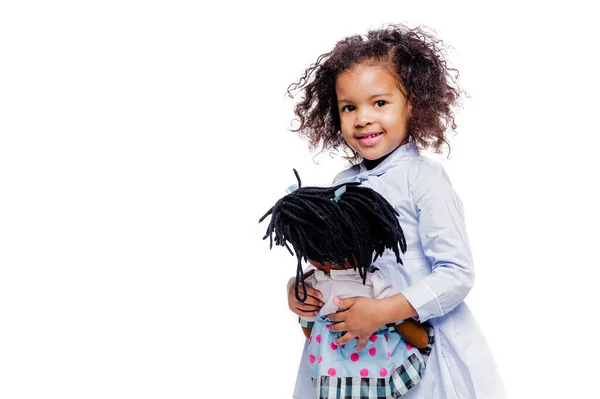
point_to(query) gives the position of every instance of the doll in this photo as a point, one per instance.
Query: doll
(338, 230)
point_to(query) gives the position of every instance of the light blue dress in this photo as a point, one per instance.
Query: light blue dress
(436, 276)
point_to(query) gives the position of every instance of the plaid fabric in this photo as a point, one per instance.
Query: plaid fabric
(305, 323)
(401, 380)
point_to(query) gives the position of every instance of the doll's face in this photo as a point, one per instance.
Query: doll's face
(373, 110)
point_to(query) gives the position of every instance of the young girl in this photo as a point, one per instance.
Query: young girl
(382, 98)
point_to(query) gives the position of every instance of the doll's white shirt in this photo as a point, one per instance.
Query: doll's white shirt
(345, 284)
(436, 276)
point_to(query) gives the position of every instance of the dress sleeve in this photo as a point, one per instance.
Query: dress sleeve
(444, 241)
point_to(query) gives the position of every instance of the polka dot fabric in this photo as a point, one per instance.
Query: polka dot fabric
(386, 367)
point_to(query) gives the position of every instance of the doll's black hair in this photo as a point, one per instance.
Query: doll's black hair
(335, 224)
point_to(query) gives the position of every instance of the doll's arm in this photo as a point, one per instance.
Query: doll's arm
(413, 333)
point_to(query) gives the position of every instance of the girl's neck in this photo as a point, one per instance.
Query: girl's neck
(372, 163)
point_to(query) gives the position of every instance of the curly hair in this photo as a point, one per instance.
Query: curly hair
(413, 56)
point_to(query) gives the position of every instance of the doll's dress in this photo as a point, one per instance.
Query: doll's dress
(387, 367)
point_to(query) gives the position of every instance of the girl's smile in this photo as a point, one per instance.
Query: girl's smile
(369, 139)
(373, 110)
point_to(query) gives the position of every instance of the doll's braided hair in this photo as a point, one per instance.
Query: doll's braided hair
(325, 226)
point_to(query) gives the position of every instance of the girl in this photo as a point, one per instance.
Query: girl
(382, 98)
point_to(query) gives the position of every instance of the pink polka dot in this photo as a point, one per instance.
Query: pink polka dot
(364, 372)
(318, 338)
(389, 354)
(309, 339)
(372, 351)
(320, 359)
(328, 326)
(386, 338)
(331, 372)
(343, 346)
(333, 346)
(373, 338)
(311, 358)
(408, 347)
(354, 357)
(383, 372)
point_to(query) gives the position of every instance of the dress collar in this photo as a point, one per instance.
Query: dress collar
(404, 151)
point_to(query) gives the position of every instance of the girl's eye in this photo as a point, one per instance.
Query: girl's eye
(381, 103)
(347, 107)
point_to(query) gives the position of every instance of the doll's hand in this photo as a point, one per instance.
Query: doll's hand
(359, 319)
(310, 306)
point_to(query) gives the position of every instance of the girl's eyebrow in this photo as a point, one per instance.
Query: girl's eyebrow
(343, 100)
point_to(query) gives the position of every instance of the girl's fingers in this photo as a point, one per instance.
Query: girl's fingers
(311, 300)
(337, 316)
(337, 327)
(361, 344)
(310, 291)
(311, 297)
(310, 306)
(344, 339)
(307, 308)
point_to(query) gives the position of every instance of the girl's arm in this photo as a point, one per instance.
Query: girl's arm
(445, 243)
(361, 316)
(409, 328)
(392, 307)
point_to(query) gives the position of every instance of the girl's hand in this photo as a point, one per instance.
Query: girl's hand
(311, 305)
(359, 319)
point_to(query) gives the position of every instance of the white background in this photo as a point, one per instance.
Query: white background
(140, 142)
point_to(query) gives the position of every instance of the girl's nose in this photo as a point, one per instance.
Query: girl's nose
(362, 118)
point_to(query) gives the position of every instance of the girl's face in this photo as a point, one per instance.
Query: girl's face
(373, 111)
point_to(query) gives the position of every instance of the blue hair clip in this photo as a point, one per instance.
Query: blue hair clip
(291, 188)
(338, 193)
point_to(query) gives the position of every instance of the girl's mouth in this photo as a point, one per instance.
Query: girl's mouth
(368, 135)
(369, 139)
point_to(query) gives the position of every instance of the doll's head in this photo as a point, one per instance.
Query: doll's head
(341, 106)
(346, 222)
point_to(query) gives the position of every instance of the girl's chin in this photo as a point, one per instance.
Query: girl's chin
(372, 155)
